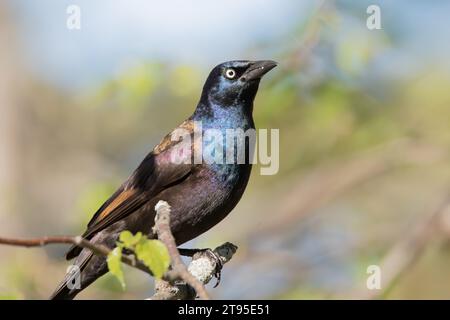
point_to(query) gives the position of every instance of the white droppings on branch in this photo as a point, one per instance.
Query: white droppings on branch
(203, 265)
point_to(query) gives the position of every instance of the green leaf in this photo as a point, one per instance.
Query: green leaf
(115, 265)
(128, 240)
(154, 254)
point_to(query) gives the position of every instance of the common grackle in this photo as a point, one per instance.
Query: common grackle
(200, 194)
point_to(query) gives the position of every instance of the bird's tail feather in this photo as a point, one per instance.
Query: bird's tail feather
(72, 283)
(63, 292)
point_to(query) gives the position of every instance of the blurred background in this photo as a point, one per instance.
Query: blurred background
(364, 137)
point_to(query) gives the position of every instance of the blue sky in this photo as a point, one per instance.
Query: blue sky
(116, 32)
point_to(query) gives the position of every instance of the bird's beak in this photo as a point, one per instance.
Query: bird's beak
(257, 69)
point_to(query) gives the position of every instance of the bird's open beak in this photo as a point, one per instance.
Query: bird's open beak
(257, 69)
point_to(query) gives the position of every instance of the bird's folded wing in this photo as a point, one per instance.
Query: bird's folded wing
(150, 178)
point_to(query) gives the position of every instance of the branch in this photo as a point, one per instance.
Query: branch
(203, 267)
(99, 250)
(162, 228)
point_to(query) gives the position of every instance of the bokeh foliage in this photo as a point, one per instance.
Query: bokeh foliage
(337, 106)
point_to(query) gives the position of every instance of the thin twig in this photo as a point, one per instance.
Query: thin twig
(162, 228)
(99, 250)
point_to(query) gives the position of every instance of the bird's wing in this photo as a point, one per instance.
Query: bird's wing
(155, 173)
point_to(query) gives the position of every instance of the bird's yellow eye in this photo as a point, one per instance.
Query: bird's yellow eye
(230, 73)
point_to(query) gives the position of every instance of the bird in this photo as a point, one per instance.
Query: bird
(200, 194)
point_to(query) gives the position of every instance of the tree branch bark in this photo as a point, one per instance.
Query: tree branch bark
(100, 250)
(162, 228)
(203, 267)
(180, 282)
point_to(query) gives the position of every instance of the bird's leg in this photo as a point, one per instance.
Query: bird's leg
(211, 253)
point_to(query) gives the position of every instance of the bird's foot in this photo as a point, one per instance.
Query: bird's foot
(219, 265)
(211, 254)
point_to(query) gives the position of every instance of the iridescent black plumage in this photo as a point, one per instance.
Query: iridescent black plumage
(200, 195)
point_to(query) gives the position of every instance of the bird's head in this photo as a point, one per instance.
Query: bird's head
(235, 82)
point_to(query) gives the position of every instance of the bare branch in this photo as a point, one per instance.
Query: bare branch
(100, 250)
(162, 228)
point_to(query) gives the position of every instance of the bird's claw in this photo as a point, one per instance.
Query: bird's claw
(212, 254)
(219, 265)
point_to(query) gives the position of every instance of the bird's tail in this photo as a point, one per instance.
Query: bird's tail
(71, 285)
(78, 276)
(63, 292)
